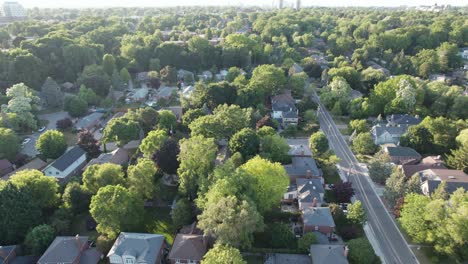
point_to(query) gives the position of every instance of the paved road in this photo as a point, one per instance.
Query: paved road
(393, 246)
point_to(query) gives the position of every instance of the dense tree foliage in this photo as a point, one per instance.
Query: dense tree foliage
(51, 144)
(99, 175)
(221, 254)
(9, 143)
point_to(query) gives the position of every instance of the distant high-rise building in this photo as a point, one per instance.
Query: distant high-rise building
(13, 9)
(280, 4)
(298, 4)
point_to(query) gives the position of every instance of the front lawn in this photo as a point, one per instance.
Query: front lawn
(78, 226)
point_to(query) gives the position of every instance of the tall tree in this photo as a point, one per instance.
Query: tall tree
(94, 77)
(361, 251)
(76, 198)
(51, 144)
(343, 191)
(75, 106)
(141, 178)
(364, 144)
(356, 213)
(318, 143)
(221, 254)
(108, 64)
(166, 156)
(116, 209)
(152, 142)
(121, 130)
(9, 143)
(88, 143)
(167, 120)
(39, 239)
(99, 175)
(245, 142)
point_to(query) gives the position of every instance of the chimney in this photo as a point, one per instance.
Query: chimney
(309, 174)
(346, 251)
(314, 202)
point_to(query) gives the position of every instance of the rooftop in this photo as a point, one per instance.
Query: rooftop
(118, 156)
(317, 216)
(35, 164)
(68, 249)
(298, 149)
(325, 254)
(145, 246)
(88, 120)
(187, 246)
(309, 189)
(444, 175)
(64, 161)
(404, 119)
(395, 131)
(302, 166)
(402, 152)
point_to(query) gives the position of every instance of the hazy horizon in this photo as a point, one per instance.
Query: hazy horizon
(159, 3)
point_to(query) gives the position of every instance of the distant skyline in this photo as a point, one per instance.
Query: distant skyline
(166, 3)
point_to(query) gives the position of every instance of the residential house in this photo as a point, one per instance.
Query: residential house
(310, 193)
(387, 134)
(137, 95)
(7, 254)
(298, 150)
(403, 155)
(5, 167)
(185, 75)
(303, 167)
(176, 110)
(464, 53)
(205, 76)
(188, 248)
(356, 94)
(119, 156)
(89, 122)
(165, 92)
(377, 66)
(35, 164)
(138, 248)
(431, 162)
(68, 86)
(318, 219)
(431, 178)
(75, 250)
(295, 69)
(326, 254)
(142, 77)
(284, 109)
(221, 76)
(403, 120)
(69, 163)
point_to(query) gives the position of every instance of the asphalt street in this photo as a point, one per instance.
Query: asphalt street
(393, 247)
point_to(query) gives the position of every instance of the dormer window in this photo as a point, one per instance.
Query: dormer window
(129, 261)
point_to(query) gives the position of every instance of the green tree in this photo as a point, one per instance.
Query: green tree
(231, 221)
(318, 143)
(88, 95)
(274, 148)
(440, 192)
(9, 143)
(419, 138)
(197, 155)
(358, 125)
(166, 157)
(364, 144)
(394, 187)
(121, 130)
(379, 171)
(125, 75)
(190, 115)
(222, 254)
(356, 213)
(20, 212)
(232, 74)
(412, 217)
(349, 74)
(182, 214)
(270, 182)
(361, 251)
(148, 118)
(245, 142)
(297, 84)
(76, 198)
(94, 77)
(167, 120)
(42, 189)
(141, 178)
(52, 93)
(39, 239)
(75, 106)
(168, 74)
(111, 208)
(152, 142)
(267, 79)
(458, 158)
(108, 64)
(281, 236)
(306, 241)
(51, 144)
(97, 176)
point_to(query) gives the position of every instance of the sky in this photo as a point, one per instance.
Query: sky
(165, 3)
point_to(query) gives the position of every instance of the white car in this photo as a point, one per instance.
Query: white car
(41, 129)
(25, 141)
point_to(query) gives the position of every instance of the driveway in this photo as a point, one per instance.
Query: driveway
(52, 118)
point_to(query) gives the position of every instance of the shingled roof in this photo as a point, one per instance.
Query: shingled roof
(188, 247)
(64, 161)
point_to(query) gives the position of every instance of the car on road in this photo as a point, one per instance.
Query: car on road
(41, 129)
(25, 141)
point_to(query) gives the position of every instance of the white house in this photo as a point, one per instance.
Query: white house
(137, 248)
(69, 163)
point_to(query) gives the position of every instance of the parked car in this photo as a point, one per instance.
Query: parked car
(25, 141)
(41, 129)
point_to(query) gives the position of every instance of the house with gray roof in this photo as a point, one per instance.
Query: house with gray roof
(325, 254)
(118, 156)
(295, 69)
(387, 134)
(403, 155)
(284, 109)
(298, 149)
(318, 219)
(188, 248)
(310, 193)
(70, 250)
(431, 178)
(138, 248)
(303, 167)
(403, 120)
(66, 165)
(7, 254)
(90, 121)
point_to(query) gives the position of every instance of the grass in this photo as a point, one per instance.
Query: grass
(344, 131)
(158, 221)
(70, 137)
(166, 193)
(49, 110)
(341, 120)
(78, 226)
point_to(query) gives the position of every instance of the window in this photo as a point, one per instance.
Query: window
(177, 261)
(192, 262)
(57, 173)
(129, 261)
(316, 228)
